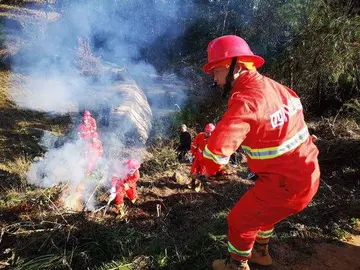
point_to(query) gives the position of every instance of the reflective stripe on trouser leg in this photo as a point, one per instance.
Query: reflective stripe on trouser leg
(265, 234)
(242, 253)
(242, 231)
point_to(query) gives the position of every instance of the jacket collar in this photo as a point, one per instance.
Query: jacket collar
(244, 79)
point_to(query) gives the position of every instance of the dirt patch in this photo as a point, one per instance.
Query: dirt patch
(341, 255)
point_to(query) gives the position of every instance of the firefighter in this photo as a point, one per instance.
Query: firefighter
(197, 148)
(123, 183)
(91, 120)
(267, 120)
(93, 153)
(87, 126)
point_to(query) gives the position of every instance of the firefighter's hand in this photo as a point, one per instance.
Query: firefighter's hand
(126, 186)
(191, 158)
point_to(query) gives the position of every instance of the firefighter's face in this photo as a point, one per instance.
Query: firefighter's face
(207, 133)
(220, 74)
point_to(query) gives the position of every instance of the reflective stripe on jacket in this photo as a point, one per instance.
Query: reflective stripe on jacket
(266, 119)
(199, 143)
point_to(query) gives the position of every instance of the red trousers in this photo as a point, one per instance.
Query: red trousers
(268, 202)
(197, 165)
(120, 193)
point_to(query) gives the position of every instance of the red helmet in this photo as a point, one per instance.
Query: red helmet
(209, 127)
(86, 113)
(227, 47)
(132, 164)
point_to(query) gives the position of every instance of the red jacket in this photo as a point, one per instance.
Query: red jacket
(198, 144)
(92, 122)
(117, 180)
(85, 132)
(267, 119)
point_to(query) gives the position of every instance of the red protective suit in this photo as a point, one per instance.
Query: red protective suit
(266, 118)
(93, 154)
(197, 149)
(86, 131)
(91, 120)
(121, 190)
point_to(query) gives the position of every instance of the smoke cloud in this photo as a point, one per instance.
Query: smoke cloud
(88, 57)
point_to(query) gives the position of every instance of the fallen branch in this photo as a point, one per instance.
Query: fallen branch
(329, 187)
(97, 210)
(33, 231)
(93, 193)
(55, 207)
(2, 234)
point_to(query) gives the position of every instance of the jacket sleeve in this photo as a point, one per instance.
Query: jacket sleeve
(229, 133)
(94, 127)
(132, 179)
(195, 145)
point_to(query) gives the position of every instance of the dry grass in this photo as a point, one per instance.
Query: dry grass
(163, 158)
(23, 15)
(4, 89)
(20, 132)
(335, 127)
(18, 166)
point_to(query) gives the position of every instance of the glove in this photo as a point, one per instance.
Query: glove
(126, 186)
(112, 194)
(191, 158)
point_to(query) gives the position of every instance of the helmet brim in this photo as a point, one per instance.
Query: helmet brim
(257, 60)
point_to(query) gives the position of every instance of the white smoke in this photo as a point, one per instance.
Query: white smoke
(55, 81)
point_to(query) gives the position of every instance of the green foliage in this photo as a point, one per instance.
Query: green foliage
(186, 116)
(49, 261)
(164, 157)
(89, 246)
(116, 265)
(338, 232)
(322, 62)
(353, 104)
(352, 107)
